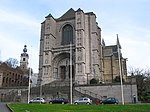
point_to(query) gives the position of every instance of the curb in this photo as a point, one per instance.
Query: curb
(9, 108)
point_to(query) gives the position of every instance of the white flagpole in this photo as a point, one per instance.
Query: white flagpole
(29, 78)
(70, 73)
(120, 73)
(40, 87)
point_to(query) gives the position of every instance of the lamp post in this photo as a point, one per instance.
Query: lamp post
(70, 73)
(131, 88)
(29, 86)
(29, 89)
(120, 73)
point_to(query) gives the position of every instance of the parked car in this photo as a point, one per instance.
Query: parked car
(110, 100)
(83, 100)
(58, 101)
(37, 100)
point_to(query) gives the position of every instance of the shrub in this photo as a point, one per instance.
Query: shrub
(93, 81)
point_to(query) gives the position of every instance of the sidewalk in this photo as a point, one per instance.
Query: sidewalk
(3, 107)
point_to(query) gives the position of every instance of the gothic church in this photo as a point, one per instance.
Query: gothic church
(73, 43)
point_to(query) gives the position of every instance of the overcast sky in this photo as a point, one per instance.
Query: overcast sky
(20, 22)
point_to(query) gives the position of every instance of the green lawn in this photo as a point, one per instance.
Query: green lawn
(79, 108)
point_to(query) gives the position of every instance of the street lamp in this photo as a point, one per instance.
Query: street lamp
(29, 86)
(131, 87)
(120, 72)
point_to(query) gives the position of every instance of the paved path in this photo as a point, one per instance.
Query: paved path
(4, 108)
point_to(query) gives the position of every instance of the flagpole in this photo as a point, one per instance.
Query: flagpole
(29, 86)
(70, 73)
(120, 73)
(40, 88)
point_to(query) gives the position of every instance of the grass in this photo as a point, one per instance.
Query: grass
(79, 108)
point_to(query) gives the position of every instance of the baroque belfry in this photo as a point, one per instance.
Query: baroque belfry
(76, 35)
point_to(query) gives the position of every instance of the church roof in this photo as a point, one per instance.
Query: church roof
(113, 49)
(49, 15)
(70, 14)
(90, 13)
(79, 10)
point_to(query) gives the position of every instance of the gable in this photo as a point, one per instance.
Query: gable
(70, 14)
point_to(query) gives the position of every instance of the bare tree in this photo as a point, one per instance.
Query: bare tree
(147, 74)
(136, 71)
(141, 75)
(12, 62)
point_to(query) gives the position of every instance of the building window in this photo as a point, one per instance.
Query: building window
(79, 50)
(7, 80)
(24, 59)
(79, 40)
(16, 76)
(67, 35)
(79, 24)
(48, 26)
(3, 79)
(46, 70)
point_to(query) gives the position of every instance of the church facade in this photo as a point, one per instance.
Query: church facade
(72, 44)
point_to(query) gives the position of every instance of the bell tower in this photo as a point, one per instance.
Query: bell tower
(24, 59)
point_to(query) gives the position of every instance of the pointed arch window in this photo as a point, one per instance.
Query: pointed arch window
(67, 35)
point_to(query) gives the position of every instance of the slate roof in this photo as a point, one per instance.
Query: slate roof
(49, 15)
(79, 10)
(114, 50)
(70, 14)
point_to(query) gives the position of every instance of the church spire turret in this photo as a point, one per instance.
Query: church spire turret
(103, 43)
(25, 49)
(24, 59)
(118, 43)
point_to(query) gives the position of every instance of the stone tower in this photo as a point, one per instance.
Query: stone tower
(24, 59)
(74, 31)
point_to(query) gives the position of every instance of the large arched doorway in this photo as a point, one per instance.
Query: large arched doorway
(64, 70)
(62, 66)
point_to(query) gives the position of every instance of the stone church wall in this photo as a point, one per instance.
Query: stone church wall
(111, 90)
(92, 91)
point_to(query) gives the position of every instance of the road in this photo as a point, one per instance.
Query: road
(4, 108)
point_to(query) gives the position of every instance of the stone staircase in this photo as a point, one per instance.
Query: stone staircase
(52, 90)
(61, 88)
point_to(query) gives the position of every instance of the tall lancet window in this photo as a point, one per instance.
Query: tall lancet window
(67, 35)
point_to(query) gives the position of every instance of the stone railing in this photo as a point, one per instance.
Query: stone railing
(87, 92)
